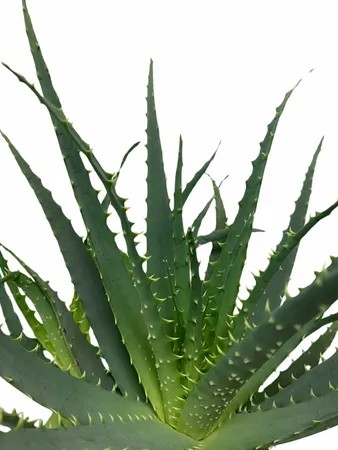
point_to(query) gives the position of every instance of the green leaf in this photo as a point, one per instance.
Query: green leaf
(193, 337)
(14, 325)
(105, 202)
(214, 237)
(179, 327)
(288, 244)
(57, 421)
(15, 420)
(275, 290)
(317, 382)
(168, 321)
(233, 372)
(198, 175)
(77, 173)
(181, 264)
(317, 427)
(79, 315)
(224, 283)
(109, 259)
(74, 399)
(310, 384)
(135, 435)
(12, 320)
(63, 354)
(165, 361)
(42, 340)
(217, 236)
(308, 360)
(248, 431)
(87, 282)
(159, 221)
(62, 329)
(221, 217)
(198, 221)
(221, 226)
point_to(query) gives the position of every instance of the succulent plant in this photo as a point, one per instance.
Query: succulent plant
(179, 362)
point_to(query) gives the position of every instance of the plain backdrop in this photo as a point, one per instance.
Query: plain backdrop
(221, 68)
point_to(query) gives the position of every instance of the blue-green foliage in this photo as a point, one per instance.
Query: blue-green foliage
(184, 368)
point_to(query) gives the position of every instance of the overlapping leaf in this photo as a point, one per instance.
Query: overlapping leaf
(136, 435)
(231, 376)
(257, 307)
(166, 335)
(109, 260)
(75, 399)
(223, 287)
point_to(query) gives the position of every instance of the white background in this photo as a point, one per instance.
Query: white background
(221, 68)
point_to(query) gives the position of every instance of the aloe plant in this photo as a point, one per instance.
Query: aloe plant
(186, 364)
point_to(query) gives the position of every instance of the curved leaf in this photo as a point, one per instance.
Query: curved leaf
(109, 259)
(63, 329)
(59, 391)
(136, 435)
(224, 284)
(231, 376)
(275, 290)
(107, 255)
(248, 431)
(308, 360)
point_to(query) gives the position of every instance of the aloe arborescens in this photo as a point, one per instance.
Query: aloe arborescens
(185, 366)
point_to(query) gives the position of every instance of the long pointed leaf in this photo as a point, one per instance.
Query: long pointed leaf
(193, 337)
(224, 284)
(316, 382)
(12, 320)
(79, 315)
(72, 398)
(198, 175)
(217, 236)
(233, 372)
(105, 202)
(114, 435)
(83, 353)
(115, 276)
(181, 266)
(273, 427)
(276, 288)
(290, 242)
(42, 340)
(198, 221)
(317, 427)
(221, 225)
(308, 360)
(159, 343)
(87, 282)
(159, 221)
(52, 323)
